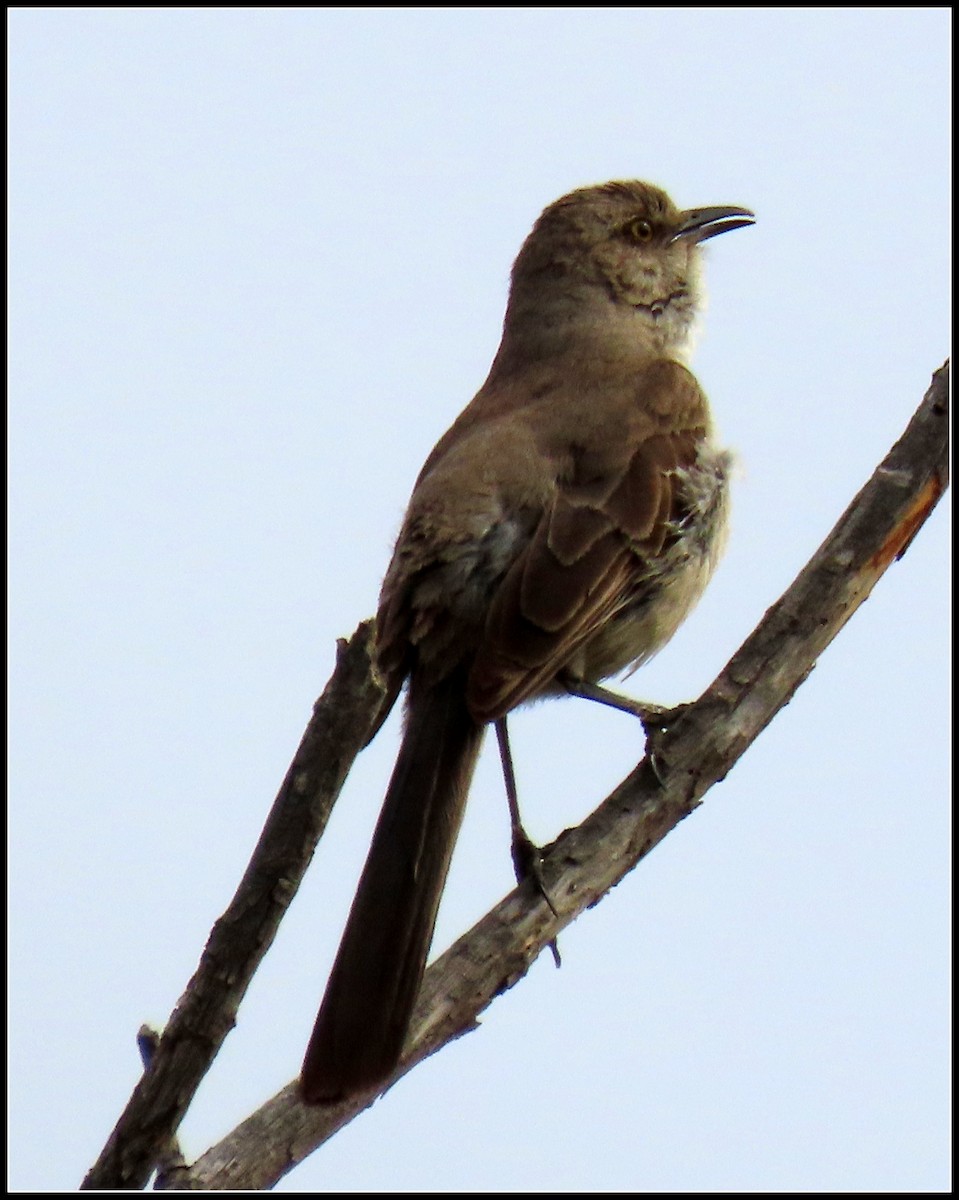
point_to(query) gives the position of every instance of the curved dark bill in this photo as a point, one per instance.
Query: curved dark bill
(698, 224)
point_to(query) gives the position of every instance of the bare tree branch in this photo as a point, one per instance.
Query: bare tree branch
(205, 1014)
(694, 747)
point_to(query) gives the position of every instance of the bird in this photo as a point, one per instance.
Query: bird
(557, 535)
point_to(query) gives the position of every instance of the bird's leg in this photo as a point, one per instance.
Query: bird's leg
(653, 716)
(527, 856)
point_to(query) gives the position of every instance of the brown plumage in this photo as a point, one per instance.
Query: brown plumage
(561, 529)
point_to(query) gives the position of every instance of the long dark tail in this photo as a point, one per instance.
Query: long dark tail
(363, 1020)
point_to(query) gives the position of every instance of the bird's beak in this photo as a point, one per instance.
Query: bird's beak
(698, 224)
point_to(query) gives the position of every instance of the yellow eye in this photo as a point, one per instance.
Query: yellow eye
(638, 229)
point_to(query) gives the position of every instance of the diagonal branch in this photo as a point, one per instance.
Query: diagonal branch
(693, 748)
(205, 1014)
(689, 752)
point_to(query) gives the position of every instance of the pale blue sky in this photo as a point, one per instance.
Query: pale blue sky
(258, 261)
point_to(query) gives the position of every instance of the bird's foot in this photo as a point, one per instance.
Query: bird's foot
(656, 719)
(528, 865)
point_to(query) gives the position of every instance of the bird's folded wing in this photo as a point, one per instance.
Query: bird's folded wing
(587, 559)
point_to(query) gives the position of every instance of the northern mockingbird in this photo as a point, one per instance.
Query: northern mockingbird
(559, 533)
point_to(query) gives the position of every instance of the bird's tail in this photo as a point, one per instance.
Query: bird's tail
(363, 1020)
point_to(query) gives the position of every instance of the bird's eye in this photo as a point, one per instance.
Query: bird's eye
(638, 229)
